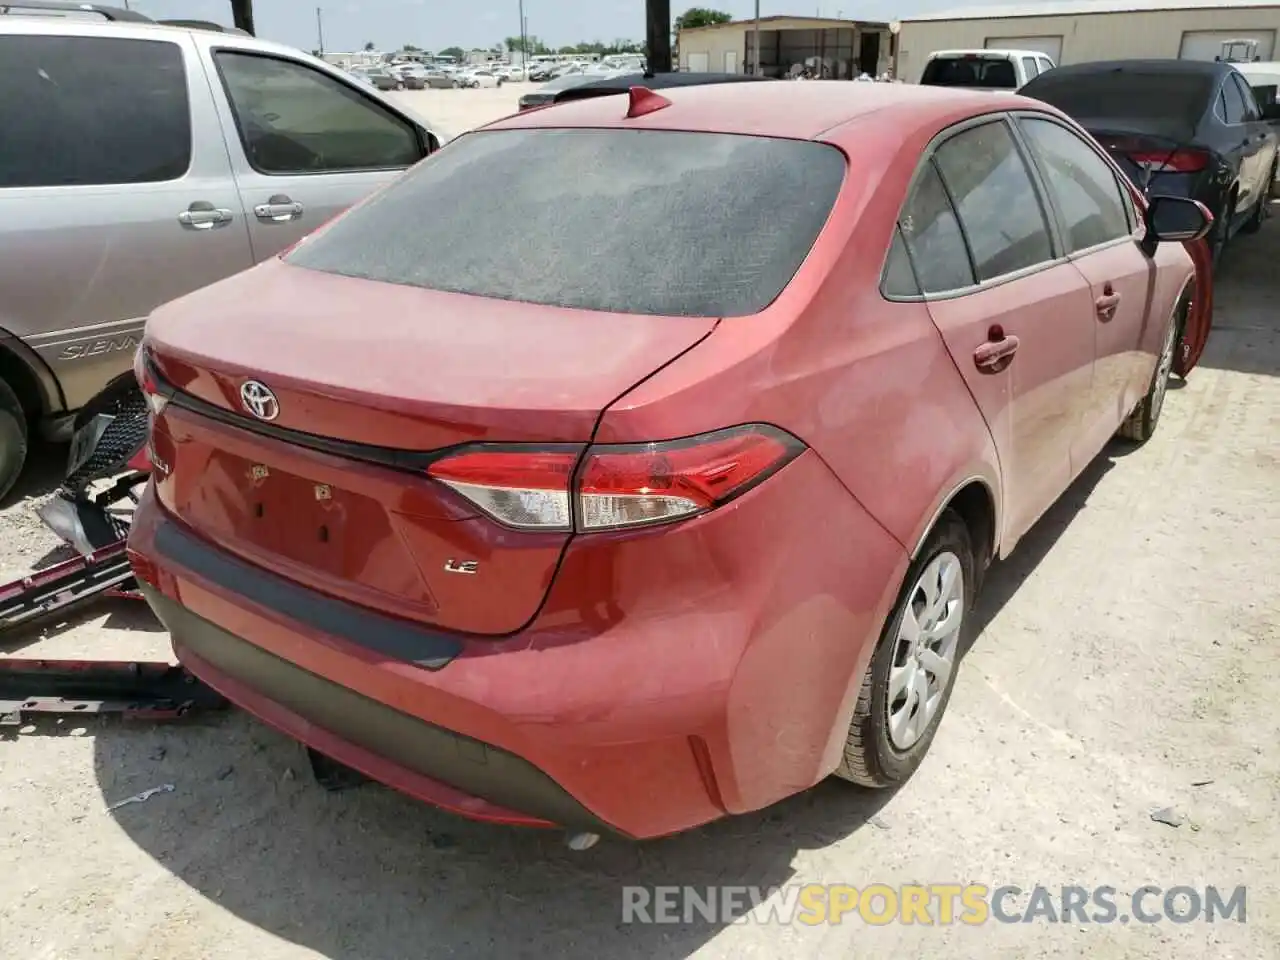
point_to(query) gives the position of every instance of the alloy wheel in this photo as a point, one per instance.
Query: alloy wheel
(925, 650)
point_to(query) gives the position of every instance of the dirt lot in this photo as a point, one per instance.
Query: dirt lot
(1129, 662)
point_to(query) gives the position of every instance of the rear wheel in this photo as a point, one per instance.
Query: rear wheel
(1222, 229)
(1141, 424)
(909, 681)
(1254, 223)
(13, 439)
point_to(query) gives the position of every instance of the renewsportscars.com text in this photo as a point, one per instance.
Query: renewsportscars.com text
(939, 904)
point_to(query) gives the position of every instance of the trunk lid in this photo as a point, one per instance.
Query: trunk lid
(365, 375)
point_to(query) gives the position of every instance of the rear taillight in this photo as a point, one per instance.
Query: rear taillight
(146, 378)
(1177, 161)
(616, 486)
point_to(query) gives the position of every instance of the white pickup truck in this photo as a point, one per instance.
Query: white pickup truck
(984, 69)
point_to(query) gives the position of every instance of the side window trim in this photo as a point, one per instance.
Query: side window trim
(376, 105)
(1126, 198)
(926, 163)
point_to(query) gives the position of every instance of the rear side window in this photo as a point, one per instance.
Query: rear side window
(625, 221)
(1084, 187)
(1233, 105)
(92, 110)
(294, 119)
(1251, 111)
(1031, 67)
(933, 236)
(899, 279)
(995, 200)
(969, 71)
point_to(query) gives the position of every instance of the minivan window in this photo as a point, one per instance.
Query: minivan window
(933, 236)
(626, 221)
(1083, 185)
(995, 200)
(92, 110)
(970, 70)
(294, 119)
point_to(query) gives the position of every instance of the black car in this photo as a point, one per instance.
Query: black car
(547, 92)
(1178, 127)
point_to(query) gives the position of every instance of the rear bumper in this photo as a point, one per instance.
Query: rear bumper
(667, 681)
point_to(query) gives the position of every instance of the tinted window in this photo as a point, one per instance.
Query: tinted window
(293, 119)
(1153, 96)
(675, 224)
(1235, 110)
(933, 235)
(1083, 185)
(1265, 95)
(970, 71)
(899, 279)
(1251, 111)
(1030, 67)
(90, 110)
(996, 202)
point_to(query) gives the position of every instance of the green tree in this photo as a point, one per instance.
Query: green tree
(701, 17)
(369, 46)
(456, 52)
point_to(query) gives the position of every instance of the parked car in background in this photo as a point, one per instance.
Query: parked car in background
(462, 555)
(984, 69)
(412, 75)
(546, 93)
(1178, 127)
(1263, 78)
(441, 80)
(478, 78)
(384, 79)
(141, 162)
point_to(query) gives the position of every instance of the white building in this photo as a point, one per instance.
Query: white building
(1079, 31)
(838, 49)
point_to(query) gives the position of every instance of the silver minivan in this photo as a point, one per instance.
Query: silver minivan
(142, 162)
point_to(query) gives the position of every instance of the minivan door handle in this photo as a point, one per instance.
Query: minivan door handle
(202, 215)
(279, 209)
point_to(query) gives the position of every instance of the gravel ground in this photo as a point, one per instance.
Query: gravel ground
(1128, 663)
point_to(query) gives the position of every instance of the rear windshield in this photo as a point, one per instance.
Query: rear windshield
(970, 71)
(1180, 98)
(626, 221)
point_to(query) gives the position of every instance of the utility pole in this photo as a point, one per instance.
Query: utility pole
(242, 15)
(320, 29)
(755, 43)
(658, 35)
(524, 39)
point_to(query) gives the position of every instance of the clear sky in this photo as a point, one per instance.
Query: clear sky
(435, 24)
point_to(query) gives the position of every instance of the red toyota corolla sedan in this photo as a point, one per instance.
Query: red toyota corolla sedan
(657, 484)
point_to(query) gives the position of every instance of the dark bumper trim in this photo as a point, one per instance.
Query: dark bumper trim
(430, 649)
(469, 765)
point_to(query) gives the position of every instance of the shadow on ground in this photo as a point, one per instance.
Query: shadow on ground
(367, 874)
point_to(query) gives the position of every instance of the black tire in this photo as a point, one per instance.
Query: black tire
(13, 439)
(1222, 230)
(1254, 223)
(870, 757)
(1141, 424)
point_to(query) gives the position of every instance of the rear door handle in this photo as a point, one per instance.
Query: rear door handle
(997, 353)
(279, 209)
(203, 215)
(1107, 305)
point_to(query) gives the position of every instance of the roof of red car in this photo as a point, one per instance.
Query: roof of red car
(800, 110)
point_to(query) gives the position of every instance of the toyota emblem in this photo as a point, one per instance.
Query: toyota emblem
(259, 400)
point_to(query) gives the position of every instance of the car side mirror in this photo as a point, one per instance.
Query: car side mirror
(1176, 220)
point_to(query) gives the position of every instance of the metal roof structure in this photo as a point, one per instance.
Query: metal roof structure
(775, 18)
(1068, 8)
